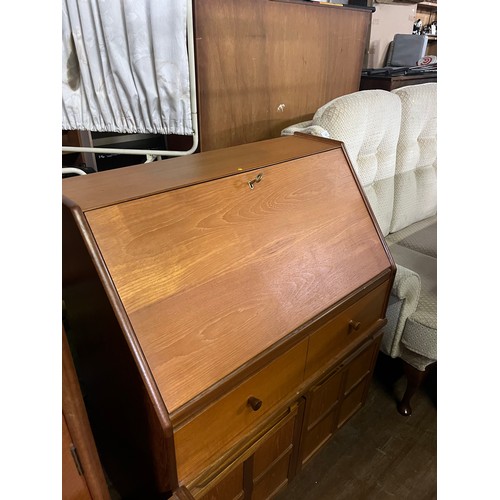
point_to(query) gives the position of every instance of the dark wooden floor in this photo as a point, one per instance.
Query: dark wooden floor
(378, 454)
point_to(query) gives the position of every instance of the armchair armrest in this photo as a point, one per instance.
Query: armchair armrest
(405, 296)
(306, 128)
(406, 286)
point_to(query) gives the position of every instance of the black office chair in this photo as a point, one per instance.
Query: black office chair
(406, 50)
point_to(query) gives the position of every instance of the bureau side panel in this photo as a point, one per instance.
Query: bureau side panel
(75, 420)
(136, 450)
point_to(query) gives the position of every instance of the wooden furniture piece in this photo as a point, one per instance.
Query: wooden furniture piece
(226, 312)
(387, 82)
(82, 474)
(266, 64)
(82, 161)
(94, 162)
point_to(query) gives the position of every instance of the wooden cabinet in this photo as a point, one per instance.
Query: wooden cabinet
(387, 82)
(336, 397)
(82, 474)
(270, 465)
(94, 162)
(81, 161)
(226, 310)
(264, 65)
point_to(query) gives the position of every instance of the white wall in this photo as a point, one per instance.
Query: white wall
(387, 21)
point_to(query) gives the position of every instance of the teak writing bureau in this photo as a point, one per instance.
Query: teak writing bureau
(225, 311)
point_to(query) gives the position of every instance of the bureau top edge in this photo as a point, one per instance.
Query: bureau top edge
(110, 187)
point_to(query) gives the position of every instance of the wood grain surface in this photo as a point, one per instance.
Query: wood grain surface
(250, 266)
(203, 440)
(337, 335)
(76, 431)
(264, 65)
(118, 185)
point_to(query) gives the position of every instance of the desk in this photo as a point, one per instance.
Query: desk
(238, 335)
(387, 82)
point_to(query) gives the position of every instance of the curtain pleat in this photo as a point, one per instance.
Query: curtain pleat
(125, 66)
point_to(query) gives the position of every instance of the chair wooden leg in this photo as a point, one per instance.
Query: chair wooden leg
(414, 379)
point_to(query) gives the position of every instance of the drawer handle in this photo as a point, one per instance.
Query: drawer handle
(255, 181)
(254, 403)
(354, 325)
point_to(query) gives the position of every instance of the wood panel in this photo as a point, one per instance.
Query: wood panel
(231, 487)
(262, 470)
(203, 440)
(389, 83)
(345, 329)
(358, 375)
(77, 433)
(321, 415)
(102, 189)
(336, 398)
(74, 486)
(264, 65)
(227, 258)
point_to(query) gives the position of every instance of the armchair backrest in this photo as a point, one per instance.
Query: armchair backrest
(415, 182)
(368, 124)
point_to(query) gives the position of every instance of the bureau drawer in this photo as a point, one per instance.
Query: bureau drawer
(211, 434)
(344, 329)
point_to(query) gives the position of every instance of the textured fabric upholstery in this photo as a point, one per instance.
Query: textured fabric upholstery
(403, 303)
(306, 128)
(390, 138)
(417, 327)
(415, 181)
(367, 122)
(418, 361)
(420, 236)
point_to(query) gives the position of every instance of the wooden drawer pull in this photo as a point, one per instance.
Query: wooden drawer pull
(354, 325)
(254, 403)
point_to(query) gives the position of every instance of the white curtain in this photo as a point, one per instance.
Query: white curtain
(125, 66)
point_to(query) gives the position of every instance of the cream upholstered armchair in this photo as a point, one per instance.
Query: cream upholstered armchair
(390, 138)
(368, 123)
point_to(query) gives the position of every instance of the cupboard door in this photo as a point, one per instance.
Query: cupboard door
(263, 469)
(231, 487)
(321, 413)
(82, 475)
(357, 378)
(74, 486)
(335, 399)
(272, 465)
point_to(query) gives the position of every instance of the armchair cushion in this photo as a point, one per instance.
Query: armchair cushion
(420, 236)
